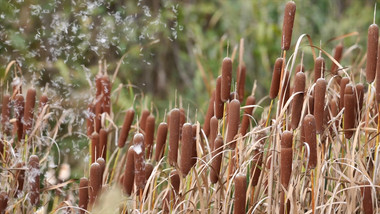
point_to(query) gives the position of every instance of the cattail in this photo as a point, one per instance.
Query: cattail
(182, 117)
(102, 149)
(366, 193)
(102, 164)
(256, 166)
(241, 83)
(3, 202)
(29, 110)
(319, 68)
(213, 131)
(299, 68)
(44, 101)
(83, 194)
(372, 45)
(343, 83)
(311, 103)
(98, 84)
(209, 114)
(226, 79)
(333, 103)
(319, 103)
(233, 121)
(240, 193)
(149, 135)
(247, 114)
(95, 182)
(5, 114)
(18, 114)
(299, 88)
(287, 27)
(20, 177)
(89, 119)
(128, 120)
(144, 115)
(194, 148)
(34, 180)
(106, 89)
(276, 78)
(174, 136)
(94, 147)
(217, 156)
(148, 170)
(129, 173)
(286, 158)
(311, 139)
(98, 114)
(360, 96)
(162, 132)
(186, 148)
(349, 110)
(218, 104)
(337, 56)
(138, 142)
(175, 181)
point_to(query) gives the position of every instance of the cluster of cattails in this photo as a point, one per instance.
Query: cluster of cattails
(317, 122)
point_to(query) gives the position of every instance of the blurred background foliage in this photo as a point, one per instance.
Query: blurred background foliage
(168, 45)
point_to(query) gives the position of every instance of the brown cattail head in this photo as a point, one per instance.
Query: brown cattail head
(333, 104)
(83, 194)
(372, 45)
(5, 115)
(337, 56)
(366, 193)
(44, 101)
(233, 122)
(128, 120)
(186, 148)
(247, 114)
(319, 68)
(3, 202)
(173, 136)
(138, 147)
(129, 173)
(162, 132)
(360, 96)
(349, 110)
(148, 170)
(18, 114)
(98, 84)
(182, 117)
(240, 193)
(175, 181)
(95, 182)
(311, 102)
(20, 177)
(319, 103)
(149, 135)
(226, 79)
(102, 149)
(299, 88)
(241, 83)
(311, 139)
(218, 104)
(286, 158)
(343, 83)
(256, 166)
(94, 147)
(98, 114)
(34, 180)
(89, 118)
(285, 92)
(287, 27)
(29, 110)
(106, 90)
(209, 114)
(102, 164)
(144, 115)
(213, 131)
(276, 78)
(217, 156)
